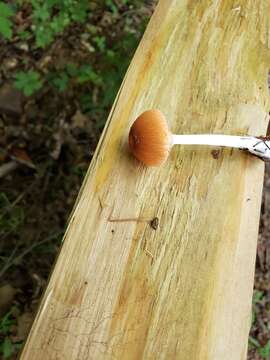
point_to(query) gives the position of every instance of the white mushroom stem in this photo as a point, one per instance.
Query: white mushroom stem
(252, 144)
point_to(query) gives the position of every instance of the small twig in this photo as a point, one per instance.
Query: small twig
(18, 199)
(152, 221)
(8, 208)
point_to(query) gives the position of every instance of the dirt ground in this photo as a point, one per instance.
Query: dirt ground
(46, 144)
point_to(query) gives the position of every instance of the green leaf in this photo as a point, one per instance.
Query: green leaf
(253, 342)
(100, 42)
(42, 13)
(111, 5)
(29, 82)
(265, 351)
(79, 11)
(51, 17)
(59, 23)
(5, 10)
(61, 82)
(24, 35)
(5, 28)
(6, 322)
(5, 24)
(4, 201)
(257, 296)
(43, 37)
(7, 348)
(87, 73)
(72, 69)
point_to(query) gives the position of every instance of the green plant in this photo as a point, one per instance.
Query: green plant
(111, 5)
(6, 322)
(100, 42)
(252, 342)
(11, 218)
(80, 74)
(51, 17)
(29, 82)
(79, 170)
(24, 35)
(265, 351)
(86, 73)
(6, 12)
(256, 299)
(7, 347)
(59, 80)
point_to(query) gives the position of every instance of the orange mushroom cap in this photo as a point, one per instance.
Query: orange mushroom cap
(149, 138)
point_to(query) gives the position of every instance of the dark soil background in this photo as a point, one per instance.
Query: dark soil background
(46, 144)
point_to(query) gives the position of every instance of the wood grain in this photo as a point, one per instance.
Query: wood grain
(124, 290)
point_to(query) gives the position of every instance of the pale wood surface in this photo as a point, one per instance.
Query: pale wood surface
(122, 290)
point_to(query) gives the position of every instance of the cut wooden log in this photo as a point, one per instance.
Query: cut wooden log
(181, 289)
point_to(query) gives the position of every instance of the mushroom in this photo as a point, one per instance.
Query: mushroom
(150, 140)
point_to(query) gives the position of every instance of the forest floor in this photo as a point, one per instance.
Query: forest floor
(54, 101)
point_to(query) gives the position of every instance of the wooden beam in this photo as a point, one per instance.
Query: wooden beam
(124, 290)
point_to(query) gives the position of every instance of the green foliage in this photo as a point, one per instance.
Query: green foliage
(6, 322)
(252, 342)
(265, 351)
(7, 348)
(11, 217)
(100, 42)
(51, 17)
(256, 299)
(79, 170)
(59, 80)
(86, 73)
(24, 35)
(80, 74)
(29, 82)
(6, 12)
(111, 5)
